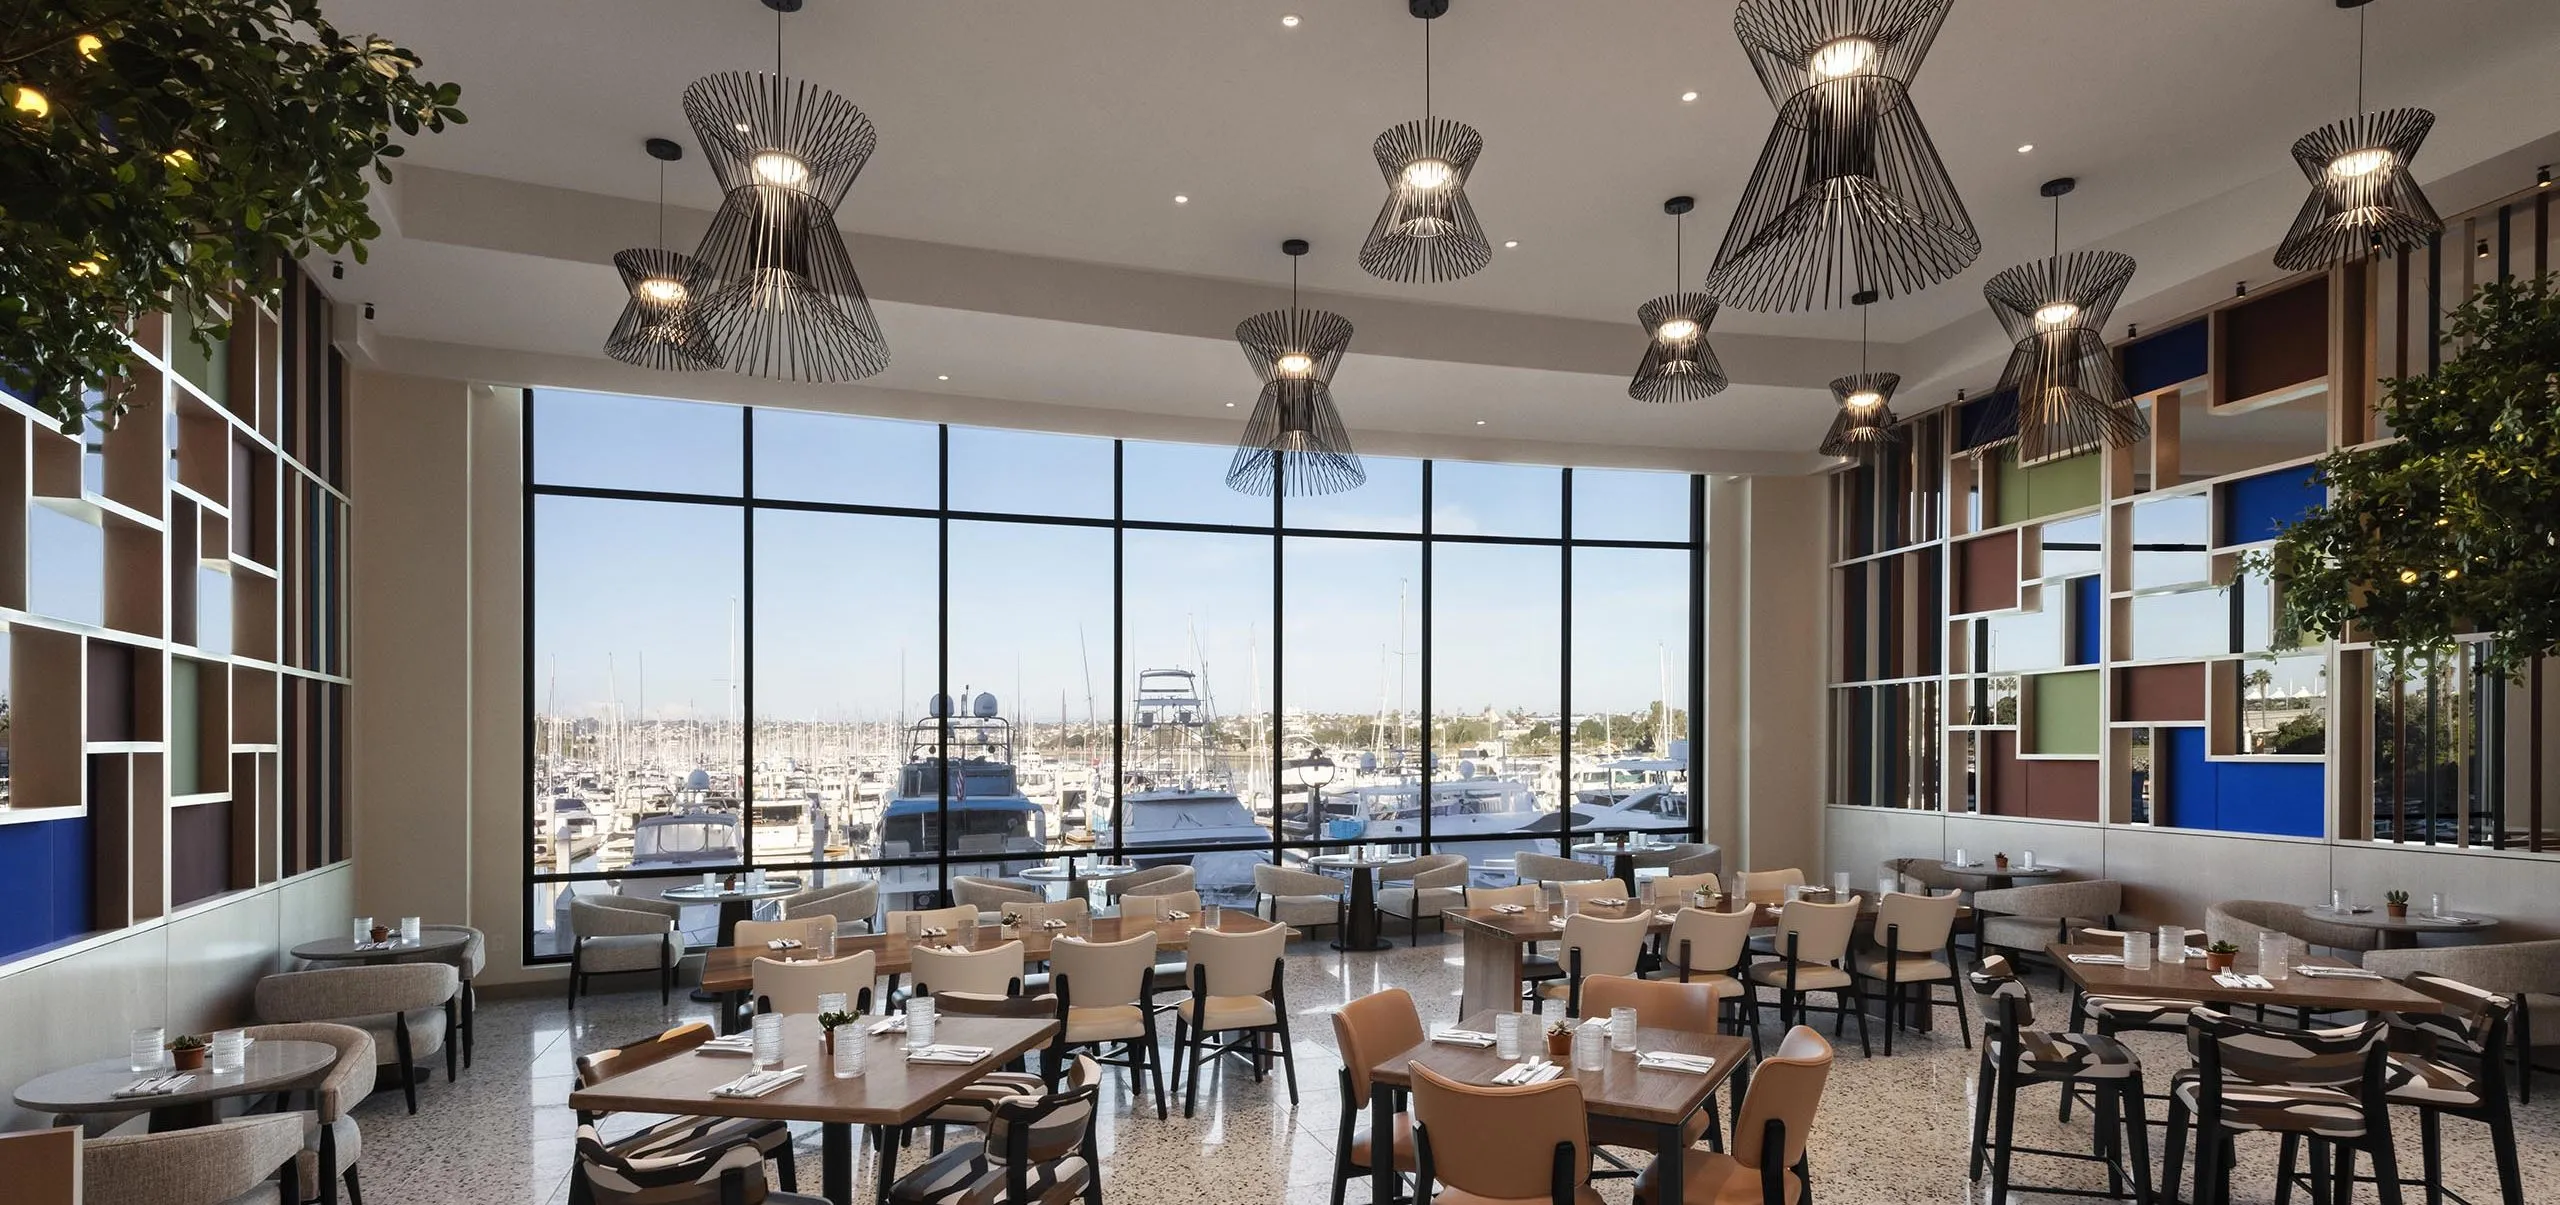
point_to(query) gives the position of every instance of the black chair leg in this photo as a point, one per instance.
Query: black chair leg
(408, 1063)
(452, 1041)
(355, 1193)
(2004, 1128)
(2173, 1158)
(1982, 1090)
(2137, 1137)
(2386, 1171)
(2431, 1153)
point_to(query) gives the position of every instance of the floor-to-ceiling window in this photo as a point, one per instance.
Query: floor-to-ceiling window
(839, 646)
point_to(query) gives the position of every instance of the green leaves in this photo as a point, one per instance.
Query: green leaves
(280, 117)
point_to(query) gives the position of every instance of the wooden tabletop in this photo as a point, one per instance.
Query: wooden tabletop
(890, 1091)
(732, 968)
(2191, 981)
(1621, 1089)
(269, 1065)
(1536, 926)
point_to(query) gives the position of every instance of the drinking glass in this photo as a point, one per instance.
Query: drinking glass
(2026, 859)
(853, 1046)
(710, 880)
(1210, 915)
(1839, 885)
(2137, 951)
(1887, 884)
(2275, 957)
(919, 1022)
(409, 930)
(147, 1047)
(1567, 904)
(2435, 904)
(1590, 1047)
(1506, 1034)
(230, 1050)
(2172, 945)
(915, 929)
(830, 1002)
(2337, 900)
(1962, 860)
(1622, 1029)
(825, 945)
(364, 929)
(768, 1039)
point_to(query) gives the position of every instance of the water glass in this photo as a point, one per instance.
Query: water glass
(1590, 1047)
(1962, 860)
(919, 1022)
(853, 1046)
(2337, 900)
(1622, 1029)
(823, 938)
(711, 880)
(147, 1048)
(915, 929)
(1839, 885)
(2275, 957)
(2026, 859)
(409, 930)
(2435, 904)
(768, 1039)
(755, 879)
(830, 1002)
(2137, 951)
(1506, 1035)
(1210, 915)
(230, 1050)
(1887, 884)
(363, 929)
(2173, 945)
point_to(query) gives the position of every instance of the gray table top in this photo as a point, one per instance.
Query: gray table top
(1047, 872)
(91, 1087)
(2415, 922)
(698, 894)
(345, 949)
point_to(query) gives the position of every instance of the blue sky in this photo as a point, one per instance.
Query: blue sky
(846, 610)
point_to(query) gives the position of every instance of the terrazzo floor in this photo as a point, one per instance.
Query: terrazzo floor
(1892, 1130)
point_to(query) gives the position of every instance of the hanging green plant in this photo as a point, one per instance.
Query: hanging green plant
(167, 154)
(2453, 528)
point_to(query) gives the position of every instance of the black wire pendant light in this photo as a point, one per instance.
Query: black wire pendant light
(1678, 364)
(2362, 197)
(660, 326)
(2071, 398)
(1866, 424)
(1427, 232)
(1295, 442)
(1849, 195)
(785, 153)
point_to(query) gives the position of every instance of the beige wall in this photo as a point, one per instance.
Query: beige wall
(191, 973)
(1765, 619)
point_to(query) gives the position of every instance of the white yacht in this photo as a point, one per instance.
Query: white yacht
(990, 817)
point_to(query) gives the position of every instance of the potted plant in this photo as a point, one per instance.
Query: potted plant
(2000, 861)
(828, 1023)
(186, 1052)
(1009, 922)
(2396, 903)
(2218, 956)
(379, 933)
(1560, 1037)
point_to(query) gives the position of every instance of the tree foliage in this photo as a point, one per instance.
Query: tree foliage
(158, 154)
(2453, 528)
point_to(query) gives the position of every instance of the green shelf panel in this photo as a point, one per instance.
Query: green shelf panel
(2046, 489)
(2066, 714)
(186, 730)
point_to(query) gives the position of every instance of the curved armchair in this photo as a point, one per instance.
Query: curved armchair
(1534, 867)
(611, 934)
(2527, 972)
(244, 1161)
(1430, 886)
(402, 1005)
(2241, 921)
(991, 895)
(330, 1134)
(853, 905)
(467, 961)
(1301, 898)
(2024, 920)
(1154, 880)
(1694, 857)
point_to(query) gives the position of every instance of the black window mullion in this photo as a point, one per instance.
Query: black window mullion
(1424, 828)
(1697, 657)
(745, 669)
(942, 662)
(1279, 593)
(1119, 634)
(1565, 829)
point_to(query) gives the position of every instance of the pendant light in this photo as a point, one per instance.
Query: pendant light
(1295, 442)
(1849, 195)
(2362, 198)
(661, 326)
(785, 153)
(2071, 398)
(1427, 231)
(1678, 364)
(1866, 424)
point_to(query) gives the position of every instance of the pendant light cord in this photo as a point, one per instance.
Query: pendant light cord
(1679, 229)
(2360, 14)
(662, 204)
(1862, 339)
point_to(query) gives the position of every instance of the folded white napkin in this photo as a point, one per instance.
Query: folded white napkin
(1672, 1060)
(734, 1044)
(1556, 923)
(2098, 960)
(1510, 909)
(935, 931)
(783, 943)
(1462, 1037)
(1606, 901)
(157, 1085)
(2236, 980)
(2335, 973)
(896, 1024)
(956, 1055)
(1053, 923)
(759, 1082)
(1530, 1073)
(1177, 914)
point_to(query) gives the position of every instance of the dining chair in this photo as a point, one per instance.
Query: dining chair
(1909, 930)
(1156, 909)
(1550, 870)
(401, 1004)
(1768, 1162)
(2470, 1084)
(852, 905)
(243, 1161)
(2015, 1055)
(958, 922)
(1587, 890)
(1675, 890)
(1594, 945)
(1812, 941)
(1422, 887)
(680, 1137)
(1659, 1004)
(1102, 990)
(332, 1136)
(1299, 898)
(1235, 989)
(813, 933)
(1535, 968)
(1543, 1152)
(1708, 945)
(2526, 972)
(1154, 880)
(1366, 1032)
(613, 934)
(1767, 886)
(467, 961)
(995, 971)
(2022, 921)
(988, 896)
(730, 1175)
(794, 987)
(1037, 1147)
(2326, 1085)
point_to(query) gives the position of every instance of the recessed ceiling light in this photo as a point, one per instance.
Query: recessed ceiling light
(1231, 405)
(944, 377)
(1511, 242)
(1686, 97)
(1180, 199)
(2025, 147)
(1291, 20)
(1479, 422)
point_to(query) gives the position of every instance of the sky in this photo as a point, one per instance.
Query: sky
(643, 601)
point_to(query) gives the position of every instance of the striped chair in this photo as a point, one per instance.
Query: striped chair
(669, 1142)
(705, 1175)
(1038, 1148)
(2473, 1029)
(2015, 1054)
(2326, 1085)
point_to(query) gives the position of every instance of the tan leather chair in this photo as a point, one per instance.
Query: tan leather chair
(1366, 1032)
(1157, 909)
(1674, 890)
(794, 987)
(852, 905)
(996, 971)
(1813, 945)
(684, 1136)
(1235, 989)
(1154, 880)
(1769, 1141)
(1427, 886)
(1504, 1145)
(1908, 930)
(1659, 1004)
(1592, 889)
(813, 933)
(1103, 990)
(1768, 886)
(1595, 945)
(1708, 945)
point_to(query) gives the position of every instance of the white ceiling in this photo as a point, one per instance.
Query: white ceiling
(1061, 132)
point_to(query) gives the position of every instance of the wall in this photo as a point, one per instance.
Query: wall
(1766, 616)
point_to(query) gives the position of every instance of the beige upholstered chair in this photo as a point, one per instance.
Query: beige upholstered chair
(1767, 1163)
(1768, 886)
(811, 932)
(610, 934)
(1159, 908)
(1695, 858)
(468, 961)
(676, 1138)
(1674, 890)
(332, 1140)
(1154, 880)
(1813, 949)
(1591, 889)
(955, 920)
(1366, 1032)
(2527, 972)
(1103, 989)
(1709, 946)
(1235, 989)
(853, 904)
(1548, 869)
(1909, 931)
(991, 896)
(989, 972)
(402, 1005)
(2024, 920)
(245, 1161)
(1659, 1004)
(1034, 916)
(1594, 945)
(1502, 1145)
(794, 987)
(1300, 898)
(2241, 921)
(1427, 886)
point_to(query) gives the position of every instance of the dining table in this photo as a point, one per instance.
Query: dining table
(1621, 1089)
(1360, 912)
(891, 1091)
(269, 1065)
(2402, 932)
(2191, 981)
(1994, 877)
(1625, 855)
(737, 899)
(438, 942)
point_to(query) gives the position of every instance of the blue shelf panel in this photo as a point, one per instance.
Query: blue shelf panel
(2275, 798)
(45, 896)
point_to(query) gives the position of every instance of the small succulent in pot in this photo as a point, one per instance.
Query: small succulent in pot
(2396, 903)
(1011, 920)
(828, 1023)
(2218, 956)
(1560, 1037)
(186, 1052)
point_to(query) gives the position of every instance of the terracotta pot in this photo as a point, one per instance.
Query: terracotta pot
(1560, 1043)
(188, 1060)
(2396, 911)
(2219, 962)
(2000, 862)
(827, 1044)
(381, 933)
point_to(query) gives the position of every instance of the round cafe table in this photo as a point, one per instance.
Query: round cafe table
(1075, 876)
(347, 949)
(736, 903)
(2401, 932)
(1360, 922)
(1622, 857)
(1995, 876)
(270, 1065)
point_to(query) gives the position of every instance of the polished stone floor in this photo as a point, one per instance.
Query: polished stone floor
(1891, 1130)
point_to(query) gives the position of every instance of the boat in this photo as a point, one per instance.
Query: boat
(1178, 793)
(989, 815)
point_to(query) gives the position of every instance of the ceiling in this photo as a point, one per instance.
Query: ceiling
(1055, 136)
